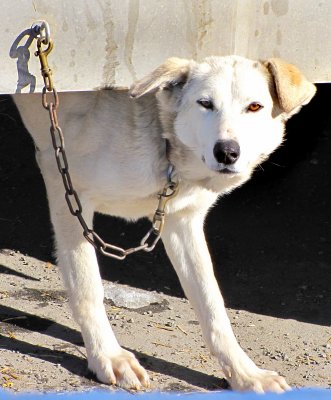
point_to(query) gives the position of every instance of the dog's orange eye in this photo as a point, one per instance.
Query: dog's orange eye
(253, 107)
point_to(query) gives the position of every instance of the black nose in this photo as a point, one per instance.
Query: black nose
(226, 151)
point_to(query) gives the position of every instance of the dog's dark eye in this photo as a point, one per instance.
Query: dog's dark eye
(205, 103)
(254, 107)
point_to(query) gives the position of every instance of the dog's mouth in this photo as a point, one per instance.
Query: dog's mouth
(222, 169)
(226, 171)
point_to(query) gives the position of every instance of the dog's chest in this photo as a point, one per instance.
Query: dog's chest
(132, 208)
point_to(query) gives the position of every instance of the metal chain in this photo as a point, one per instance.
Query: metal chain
(170, 189)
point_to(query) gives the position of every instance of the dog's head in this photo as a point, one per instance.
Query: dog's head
(230, 111)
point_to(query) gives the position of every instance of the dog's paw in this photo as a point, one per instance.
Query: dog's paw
(259, 381)
(122, 369)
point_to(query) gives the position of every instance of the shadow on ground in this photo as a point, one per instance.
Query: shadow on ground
(270, 239)
(78, 364)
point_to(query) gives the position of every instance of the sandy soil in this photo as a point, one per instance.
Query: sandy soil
(270, 242)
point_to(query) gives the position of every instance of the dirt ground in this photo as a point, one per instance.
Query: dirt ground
(270, 241)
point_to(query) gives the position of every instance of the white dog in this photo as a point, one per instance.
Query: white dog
(221, 117)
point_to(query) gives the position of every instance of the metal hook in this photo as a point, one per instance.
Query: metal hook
(38, 27)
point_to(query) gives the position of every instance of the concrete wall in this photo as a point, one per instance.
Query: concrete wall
(114, 42)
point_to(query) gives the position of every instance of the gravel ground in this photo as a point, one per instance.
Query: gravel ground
(270, 242)
(41, 347)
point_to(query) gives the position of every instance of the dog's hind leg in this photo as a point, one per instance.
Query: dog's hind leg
(185, 244)
(78, 263)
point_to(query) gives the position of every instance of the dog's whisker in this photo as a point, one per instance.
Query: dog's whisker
(277, 165)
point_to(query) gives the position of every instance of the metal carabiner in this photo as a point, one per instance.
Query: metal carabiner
(45, 69)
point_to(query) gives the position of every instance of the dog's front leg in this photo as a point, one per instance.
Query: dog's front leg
(77, 260)
(185, 244)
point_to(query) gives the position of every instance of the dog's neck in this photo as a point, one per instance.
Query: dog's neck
(177, 152)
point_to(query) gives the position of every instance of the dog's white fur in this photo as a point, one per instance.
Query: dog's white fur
(118, 163)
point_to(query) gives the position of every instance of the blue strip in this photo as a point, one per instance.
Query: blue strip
(304, 394)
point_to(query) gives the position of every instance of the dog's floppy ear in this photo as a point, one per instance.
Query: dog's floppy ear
(172, 73)
(293, 89)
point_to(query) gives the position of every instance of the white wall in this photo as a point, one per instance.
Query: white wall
(114, 42)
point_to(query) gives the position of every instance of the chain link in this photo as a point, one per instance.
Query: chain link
(51, 102)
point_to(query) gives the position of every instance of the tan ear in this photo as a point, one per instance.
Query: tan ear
(293, 89)
(173, 72)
